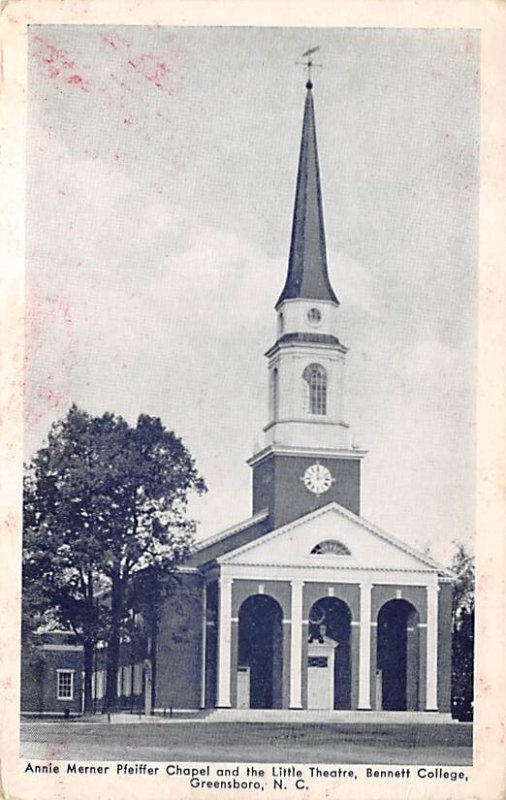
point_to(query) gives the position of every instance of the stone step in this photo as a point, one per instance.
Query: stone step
(323, 717)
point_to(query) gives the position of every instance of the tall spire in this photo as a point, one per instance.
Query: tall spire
(307, 276)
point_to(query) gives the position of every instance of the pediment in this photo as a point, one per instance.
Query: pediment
(338, 538)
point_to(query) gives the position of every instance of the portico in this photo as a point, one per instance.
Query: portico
(381, 623)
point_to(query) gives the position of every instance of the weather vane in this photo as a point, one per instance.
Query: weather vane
(308, 64)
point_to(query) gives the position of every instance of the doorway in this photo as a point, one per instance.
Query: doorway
(260, 658)
(398, 656)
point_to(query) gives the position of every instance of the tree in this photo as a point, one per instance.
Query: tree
(463, 634)
(103, 503)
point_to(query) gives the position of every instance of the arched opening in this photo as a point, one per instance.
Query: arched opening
(315, 387)
(398, 657)
(260, 657)
(329, 623)
(275, 393)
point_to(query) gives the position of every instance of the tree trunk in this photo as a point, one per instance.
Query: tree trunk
(113, 645)
(89, 651)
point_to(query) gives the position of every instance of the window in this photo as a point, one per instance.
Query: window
(65, 684)
(314, 316)
(330, 546)
(275, 393)
(315, 378)
(281, 323)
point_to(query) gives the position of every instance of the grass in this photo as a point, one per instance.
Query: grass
(268, 742)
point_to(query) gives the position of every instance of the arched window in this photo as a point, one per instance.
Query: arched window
(315, 378)
(330, 546)
(281, 323)
(275, 393)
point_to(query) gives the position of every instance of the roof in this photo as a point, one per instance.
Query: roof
(307, 266)
(230, 539)
(289, 339)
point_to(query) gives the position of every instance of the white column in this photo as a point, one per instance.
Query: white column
(224, 642)
(204, 648)
(432, 606)
(296, 645)
(364, 654)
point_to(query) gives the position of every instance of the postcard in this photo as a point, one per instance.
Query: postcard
(252, 452)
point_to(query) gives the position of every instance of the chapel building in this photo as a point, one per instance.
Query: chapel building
(306, 605)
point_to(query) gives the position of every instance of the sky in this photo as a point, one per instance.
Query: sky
(161, 176)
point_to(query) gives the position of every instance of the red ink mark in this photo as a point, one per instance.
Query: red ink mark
(110, 41)
(127, 121)
(58, 63)
(153, 69)
(79, 81)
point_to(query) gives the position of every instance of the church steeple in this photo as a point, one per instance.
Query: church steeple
(307, 276)
(307, 459)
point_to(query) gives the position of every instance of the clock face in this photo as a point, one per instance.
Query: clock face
(317, 479)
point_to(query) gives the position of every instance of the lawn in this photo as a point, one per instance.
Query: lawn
(331, 743)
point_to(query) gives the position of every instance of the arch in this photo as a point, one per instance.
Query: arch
(315, 380)
(330, 617)
(260, 655)
(330, 547)
(398, 656)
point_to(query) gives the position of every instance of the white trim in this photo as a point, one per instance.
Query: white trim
(70, 672)
(325, 569)
(58, 631)
(70, 648)
(310, 418)
(306, 301)
(246, 523)
(317, 452)
(344, 512)
(325, 574)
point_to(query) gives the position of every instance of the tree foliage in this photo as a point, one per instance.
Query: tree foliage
(463, 634)
(104, 503)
